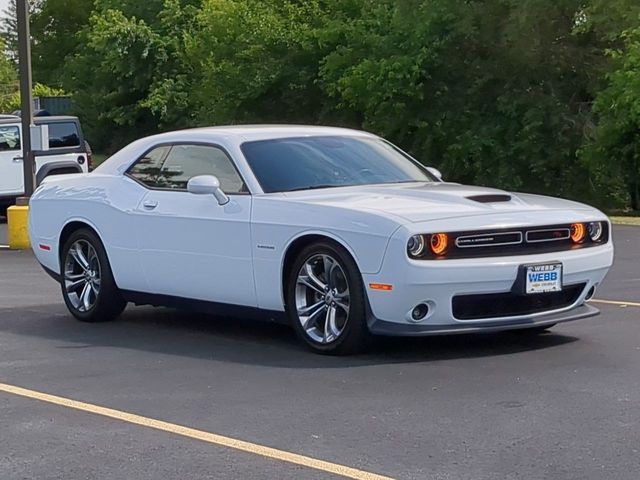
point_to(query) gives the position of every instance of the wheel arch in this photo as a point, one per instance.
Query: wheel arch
(57, 168)
(69, 228)
(297, 244)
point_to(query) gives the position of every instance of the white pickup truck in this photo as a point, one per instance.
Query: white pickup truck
(68, 153)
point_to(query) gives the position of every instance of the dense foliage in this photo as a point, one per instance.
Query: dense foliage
(536, 95)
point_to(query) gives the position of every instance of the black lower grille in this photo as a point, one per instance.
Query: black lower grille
(492, 305)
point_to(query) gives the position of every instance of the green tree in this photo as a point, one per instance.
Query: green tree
(614, 152)
(124, 64)
(9, 27)
(255, 61)
(8, 82)
(56, 28)
(492, 92)
(146, 10)
(169, 96)
(497, 92)
(111, 75)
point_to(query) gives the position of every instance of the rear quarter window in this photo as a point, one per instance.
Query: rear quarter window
(63, 135)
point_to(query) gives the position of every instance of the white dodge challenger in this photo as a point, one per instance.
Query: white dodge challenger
(336, 231)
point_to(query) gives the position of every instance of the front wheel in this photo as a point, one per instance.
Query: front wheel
(88, 287)
(325, 300)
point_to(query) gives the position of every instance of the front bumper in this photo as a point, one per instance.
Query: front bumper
(436, 283)
(380, 327)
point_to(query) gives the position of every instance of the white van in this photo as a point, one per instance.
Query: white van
(68, 153)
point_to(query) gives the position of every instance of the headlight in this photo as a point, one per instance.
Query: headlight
(439, 243)
(428, 245)
(577, 232)
(415, 246)
(595, 231)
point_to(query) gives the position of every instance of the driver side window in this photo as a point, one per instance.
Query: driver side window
(171, 167)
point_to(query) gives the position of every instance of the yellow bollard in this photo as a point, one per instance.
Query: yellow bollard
(17, 218)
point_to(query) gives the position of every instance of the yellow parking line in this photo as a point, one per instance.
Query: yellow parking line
(203, 436)
(615, 302)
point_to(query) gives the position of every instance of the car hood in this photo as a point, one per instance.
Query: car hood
(419, 202)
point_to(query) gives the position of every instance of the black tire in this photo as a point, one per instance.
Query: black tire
(354, 336)
(108, 302)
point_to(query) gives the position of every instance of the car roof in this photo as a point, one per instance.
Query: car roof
(230, 137)
(39, 120)
(264, 132)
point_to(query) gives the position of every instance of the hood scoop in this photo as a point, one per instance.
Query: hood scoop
(490, 198)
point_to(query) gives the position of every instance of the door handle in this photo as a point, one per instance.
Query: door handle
(17, 159)
(150, 204)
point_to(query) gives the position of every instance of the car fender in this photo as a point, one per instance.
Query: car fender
(99, 201)
(319, 232)
(277, 222)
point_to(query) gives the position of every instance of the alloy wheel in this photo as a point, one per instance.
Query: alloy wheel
(322, 298)
(82, 275)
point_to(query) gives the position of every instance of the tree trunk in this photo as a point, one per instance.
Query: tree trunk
(634, 195)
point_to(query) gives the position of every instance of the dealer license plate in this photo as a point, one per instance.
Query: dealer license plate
(543, 278)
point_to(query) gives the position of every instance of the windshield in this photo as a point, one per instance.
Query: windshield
(288, 164)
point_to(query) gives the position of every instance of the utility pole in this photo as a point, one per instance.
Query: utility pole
(26, 100)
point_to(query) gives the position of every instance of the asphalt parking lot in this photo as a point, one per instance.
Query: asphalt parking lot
(564, 405)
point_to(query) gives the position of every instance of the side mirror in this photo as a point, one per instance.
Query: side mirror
(435, 172)
(207, 185)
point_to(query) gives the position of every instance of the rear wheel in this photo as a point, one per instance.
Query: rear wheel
(325, 300)
(88, 287)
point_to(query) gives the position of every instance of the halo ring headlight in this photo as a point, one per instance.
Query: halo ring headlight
(595, 231)
(416, 245)
(439, 243)
(578, 232)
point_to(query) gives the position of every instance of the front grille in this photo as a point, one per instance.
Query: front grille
(495, 305)
(489, 239)
(548, 235)
(514, 241)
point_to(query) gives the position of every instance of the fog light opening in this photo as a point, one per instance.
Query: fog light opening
(590, 293)
(419, 312)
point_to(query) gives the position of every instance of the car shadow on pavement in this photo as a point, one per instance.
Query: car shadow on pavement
(251, 342)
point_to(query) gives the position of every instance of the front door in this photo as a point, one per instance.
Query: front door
(190, 246)
(11, 165)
